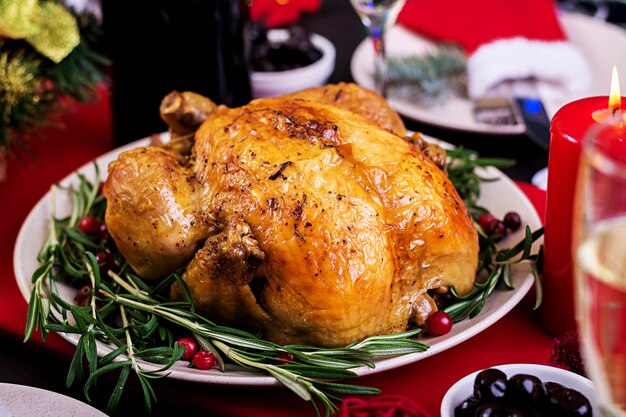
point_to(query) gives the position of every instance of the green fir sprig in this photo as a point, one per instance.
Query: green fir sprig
(429, 77)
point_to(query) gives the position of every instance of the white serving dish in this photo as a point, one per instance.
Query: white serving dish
(276, 83)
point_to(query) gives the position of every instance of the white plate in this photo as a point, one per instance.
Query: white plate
(24, 401)
(599, 42)
(499, 196)
(463, 389)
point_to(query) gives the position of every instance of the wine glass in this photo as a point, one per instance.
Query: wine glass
(600, 254)
(377, 16)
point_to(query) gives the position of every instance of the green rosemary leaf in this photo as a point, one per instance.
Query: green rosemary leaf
(506, 277)
(94, 269)
(393, 351)
(206, 344)
(508, 254)
(61, 328)
(107, 330)
(34, 317)
(288, 380)
(148, 393)
(91, 352)
(165, 285)
(93, 377)
(186, 291)
(118, 390)
(319, 371)
(160, 355)
(347, 389)
(75, 371)
(110, 357)
(337, 363)
(80, 237)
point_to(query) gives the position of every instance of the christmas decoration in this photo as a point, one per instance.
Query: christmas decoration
(45, 54)
(275, 13)
(565, 353)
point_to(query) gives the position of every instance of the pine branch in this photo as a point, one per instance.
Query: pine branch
(428, 77)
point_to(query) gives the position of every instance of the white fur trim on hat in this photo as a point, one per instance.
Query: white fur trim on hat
(556, 62)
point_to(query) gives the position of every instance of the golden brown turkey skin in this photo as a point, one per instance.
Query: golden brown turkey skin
(153, 210)
(358, 100)
(355, 223)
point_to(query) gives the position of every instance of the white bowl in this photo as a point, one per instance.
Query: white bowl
(275, 83)
(464, 388)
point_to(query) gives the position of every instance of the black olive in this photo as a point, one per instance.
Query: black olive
(551, 386)
(490, 385)
(525, 389)
(567, 402)
(498, 410)
(467, 408)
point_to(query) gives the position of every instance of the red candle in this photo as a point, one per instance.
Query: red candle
(568, 128)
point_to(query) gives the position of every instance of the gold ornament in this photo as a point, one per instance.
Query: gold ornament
(18, 18)
(58, 32)
(46, 26)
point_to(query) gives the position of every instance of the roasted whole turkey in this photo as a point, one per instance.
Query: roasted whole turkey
(309, 215)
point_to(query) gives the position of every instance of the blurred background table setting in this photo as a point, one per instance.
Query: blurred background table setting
(512, 81)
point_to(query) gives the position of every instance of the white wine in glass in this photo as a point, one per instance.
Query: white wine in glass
(378, 16)
(601, 263)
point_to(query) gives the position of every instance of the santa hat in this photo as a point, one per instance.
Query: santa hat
(504, 40)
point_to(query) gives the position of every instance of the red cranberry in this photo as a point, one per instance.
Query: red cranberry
(106, 261)
(89, 225)
(191, 347)
(203, 359)
(487, 222)
(499, 228)
(103, 231)
(82, 295)
(512, 221)
(439, 323)
(284, 358)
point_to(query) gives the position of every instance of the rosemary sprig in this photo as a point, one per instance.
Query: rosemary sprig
(494, 263)
(461, 167)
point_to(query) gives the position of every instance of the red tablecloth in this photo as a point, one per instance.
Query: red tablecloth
(517, 338)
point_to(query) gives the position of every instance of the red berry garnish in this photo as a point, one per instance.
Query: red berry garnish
(499, 229)
(487, 222)
(89, 225)
(512, 221)
(191, 347)
(103, 231)
(106, 261)
(82, 295)
(439, 323)
(284, 358)
(203, 359)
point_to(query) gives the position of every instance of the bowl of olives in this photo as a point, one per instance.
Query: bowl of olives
(289, 60)
(520, 390)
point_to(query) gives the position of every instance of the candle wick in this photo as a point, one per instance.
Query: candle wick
(615, 110)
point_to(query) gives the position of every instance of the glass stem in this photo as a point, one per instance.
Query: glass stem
(380, 59)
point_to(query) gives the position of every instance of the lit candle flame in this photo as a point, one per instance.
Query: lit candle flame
(615, 97)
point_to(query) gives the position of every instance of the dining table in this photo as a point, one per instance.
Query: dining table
(84, 131)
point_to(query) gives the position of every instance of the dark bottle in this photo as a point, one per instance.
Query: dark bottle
(162, 45)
